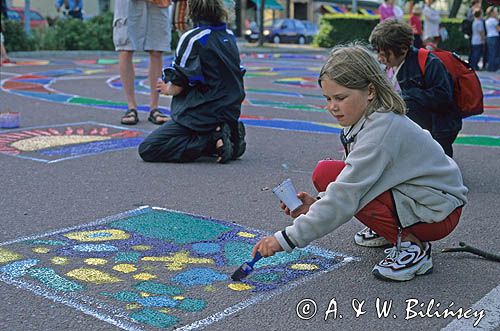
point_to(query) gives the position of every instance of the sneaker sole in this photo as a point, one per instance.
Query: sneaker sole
(426, 269)
(379, 242)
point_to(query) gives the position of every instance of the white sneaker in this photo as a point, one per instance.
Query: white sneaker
(406, 263)
(368, 238)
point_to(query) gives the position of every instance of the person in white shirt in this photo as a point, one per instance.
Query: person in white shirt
(492, 38)
(477, 40)
(431, 23)
(395, 177)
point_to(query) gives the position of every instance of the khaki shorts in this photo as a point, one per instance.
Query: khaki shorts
(139, 25)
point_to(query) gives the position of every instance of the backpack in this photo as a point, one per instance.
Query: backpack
(466, 27)
(467, 91)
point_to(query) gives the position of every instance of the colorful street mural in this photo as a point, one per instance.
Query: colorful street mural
(56, 143)
(155, 268)
(283, 84)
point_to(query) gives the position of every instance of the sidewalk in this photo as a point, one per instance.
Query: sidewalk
(243, 46)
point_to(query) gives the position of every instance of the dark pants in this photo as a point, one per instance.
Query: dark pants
(493, 53)
(475, 55)
(172, 142)
(76, 14)
(446, 143)
(417, 41)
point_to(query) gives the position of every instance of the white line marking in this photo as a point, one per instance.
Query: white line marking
(490, 303)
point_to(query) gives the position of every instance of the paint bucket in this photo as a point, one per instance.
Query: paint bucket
(9, 120)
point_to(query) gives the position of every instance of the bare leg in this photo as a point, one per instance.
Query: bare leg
(127, 76)
(3, 53)
(155, 67)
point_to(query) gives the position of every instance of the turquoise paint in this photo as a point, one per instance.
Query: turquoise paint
(95, 248)
(199, 276)
(206, 248)
(50, 278)
(237, 253)
(174, 227)
(158, 301)
(131, 257)
(267, 278)
(192, 305)
(100, 235)
(125, 296)
(47, 242)
(154, 318)
(157, 288)
(18, 268)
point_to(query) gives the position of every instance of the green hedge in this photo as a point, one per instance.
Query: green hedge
(342, 28)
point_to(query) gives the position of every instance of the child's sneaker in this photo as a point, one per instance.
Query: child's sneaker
(406, 263)
(368, 238)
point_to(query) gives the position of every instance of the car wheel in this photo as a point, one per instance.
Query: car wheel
(276, 39)
(302, 40)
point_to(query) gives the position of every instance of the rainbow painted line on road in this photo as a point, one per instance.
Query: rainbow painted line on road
(50, 144)
(153, 267)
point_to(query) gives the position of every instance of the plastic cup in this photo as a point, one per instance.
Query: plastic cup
(9, 120)
(287, 194)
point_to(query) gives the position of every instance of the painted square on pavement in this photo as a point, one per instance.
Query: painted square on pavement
(155, 268)
(56, 143)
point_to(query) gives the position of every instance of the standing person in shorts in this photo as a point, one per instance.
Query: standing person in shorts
(140, 25)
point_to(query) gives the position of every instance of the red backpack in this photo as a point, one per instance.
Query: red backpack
(467, 91)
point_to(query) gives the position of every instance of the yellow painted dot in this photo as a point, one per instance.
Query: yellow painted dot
(144, 276)
(59, 260)
(98, 235)
(246, 234)
(41, 250)
(148, 268)
(239, 287)
(7, 255)
(95, 261)
(125, 268)
(132, 306)
(92, 276)
(145, 294)
(210, 288)
(304, 266)
(178, 297)
(165, 310)
(141, 248)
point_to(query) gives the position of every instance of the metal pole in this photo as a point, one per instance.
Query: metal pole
(27, 17)
(354, 6)
(261, 23)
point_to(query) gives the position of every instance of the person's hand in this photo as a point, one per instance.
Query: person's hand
(168, 88)
(162, 87)
(267, 246)
(307, 201)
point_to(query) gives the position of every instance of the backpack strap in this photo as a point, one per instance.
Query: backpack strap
(422, 58)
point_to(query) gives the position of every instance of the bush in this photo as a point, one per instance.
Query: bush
(15, 37)
(338, 29)
(64, 34)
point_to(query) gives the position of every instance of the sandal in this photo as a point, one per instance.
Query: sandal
(240, 144)
(130, 117)
(225, 151)
(157, 117)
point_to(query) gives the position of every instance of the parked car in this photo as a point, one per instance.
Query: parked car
(311, 30)
(286, 30)
(36, 19)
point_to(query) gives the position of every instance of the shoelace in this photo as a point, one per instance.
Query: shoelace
(392, 253)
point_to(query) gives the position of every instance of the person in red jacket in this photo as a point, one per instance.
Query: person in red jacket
(416, 24)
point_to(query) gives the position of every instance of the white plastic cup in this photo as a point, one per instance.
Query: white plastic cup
(287, 194)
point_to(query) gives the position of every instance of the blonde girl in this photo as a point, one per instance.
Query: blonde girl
(395, 178)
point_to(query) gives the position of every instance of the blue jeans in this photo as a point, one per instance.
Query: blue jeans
(475, 55)
(493, 53)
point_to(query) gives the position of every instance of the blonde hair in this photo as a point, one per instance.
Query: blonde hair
(354, 67)
(212, 11)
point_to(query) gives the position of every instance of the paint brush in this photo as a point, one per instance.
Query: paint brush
(245, 269)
